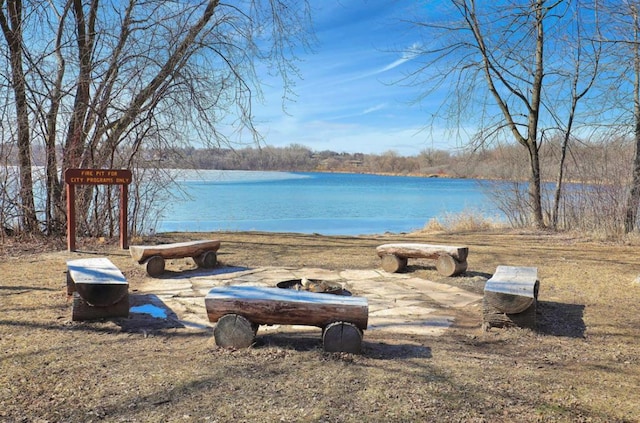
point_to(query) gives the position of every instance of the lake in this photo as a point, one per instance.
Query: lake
(323, 203)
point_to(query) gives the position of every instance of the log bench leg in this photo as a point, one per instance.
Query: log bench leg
(207, 260)
(71, 286)
(342, 337)
(82, 310)
(154, 266)
(234, 331)
(393, 264)
(493, 317)
(446, 265)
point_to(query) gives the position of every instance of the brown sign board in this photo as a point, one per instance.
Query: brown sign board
(97, 176)
(73, 177)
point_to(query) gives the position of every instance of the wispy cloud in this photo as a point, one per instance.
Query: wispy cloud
(374, 108)
(410, 53)
(407, 55)
(346, 100)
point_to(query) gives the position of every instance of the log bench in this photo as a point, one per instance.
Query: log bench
(98, 288)
(239, 310)
(153, 256)
(450, 260)
(510, 298)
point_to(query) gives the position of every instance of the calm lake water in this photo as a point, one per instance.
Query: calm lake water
(324, 203)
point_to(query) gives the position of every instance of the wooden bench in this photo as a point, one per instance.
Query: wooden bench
(239, 310)
(98, 288)
(450, 261)
(153, 256)
(510, 297)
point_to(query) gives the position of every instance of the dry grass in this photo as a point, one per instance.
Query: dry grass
(581, 365)
(466, 221)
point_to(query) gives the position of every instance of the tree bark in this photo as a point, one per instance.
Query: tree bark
(531, 100)
(393, 264)
(342, 337)
(176, 250)
(493, 317)
(82, 310)
(154, 266)
(272, 306)
(449, 266)
(234, 331)
(12, 30)
(633, 201)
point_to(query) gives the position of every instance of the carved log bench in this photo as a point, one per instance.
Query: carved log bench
(510, 297)
(98, 288)
(239, 310)
(450, 260)
(153, 256)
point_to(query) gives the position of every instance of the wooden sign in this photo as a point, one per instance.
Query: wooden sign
(73, 177)
(97, 176)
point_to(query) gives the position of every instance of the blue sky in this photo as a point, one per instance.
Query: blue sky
(347, 100)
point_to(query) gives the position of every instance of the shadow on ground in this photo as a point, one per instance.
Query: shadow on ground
(560, 319)
(308, 341)
(190, 273)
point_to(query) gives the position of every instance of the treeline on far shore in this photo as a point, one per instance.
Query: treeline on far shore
(598, 161)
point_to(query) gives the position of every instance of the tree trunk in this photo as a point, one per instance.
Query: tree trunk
(493, 317)
(535, 190)
(531, 99)
(393, 264)
(633, 201)
(449, 266)
(234, 331)
(55, 213)
(342, 337)
(12, 30)
(82, 310)
(176, 250)
(275, 306)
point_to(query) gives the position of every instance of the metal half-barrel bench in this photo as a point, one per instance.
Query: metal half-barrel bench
(511, 297)
(98, 287)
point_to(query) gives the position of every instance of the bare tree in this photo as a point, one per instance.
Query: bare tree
(633, 201)
(583, 55)
(495, 59)
(109, 81)
(621, 32)
(11, 23)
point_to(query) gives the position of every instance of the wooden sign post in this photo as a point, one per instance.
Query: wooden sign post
(74, 177)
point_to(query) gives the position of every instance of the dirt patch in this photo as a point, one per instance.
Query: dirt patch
(580, 365)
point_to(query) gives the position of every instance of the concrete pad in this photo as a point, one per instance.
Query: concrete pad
(392, 291)
(398, 303)
(360, 286)
(351, 275)
(172, 284)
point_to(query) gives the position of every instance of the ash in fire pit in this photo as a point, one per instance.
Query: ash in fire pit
(312, 285)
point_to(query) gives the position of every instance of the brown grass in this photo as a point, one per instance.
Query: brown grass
(582, 364)
(465, 221)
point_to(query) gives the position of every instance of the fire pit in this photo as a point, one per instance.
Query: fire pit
(312, 285)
